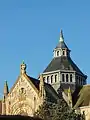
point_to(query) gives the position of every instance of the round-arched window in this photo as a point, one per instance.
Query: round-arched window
(66, 77)
(47, 79)
(70, 77)
(63, 52)
(57, 53)
(63, 80)
(55, 78)
(52, 79)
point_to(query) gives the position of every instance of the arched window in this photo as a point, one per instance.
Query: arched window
(55, 78)
(63, 52)
(51, 78)
(57, 53)
(47, 79)
(70, 77)
(66, 77)
(63, 80)
(22, 90)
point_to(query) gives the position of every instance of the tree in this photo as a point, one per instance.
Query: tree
(57, 111)
(44, 111)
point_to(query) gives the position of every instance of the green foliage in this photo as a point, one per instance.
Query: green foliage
(44, 111)
(57, 111)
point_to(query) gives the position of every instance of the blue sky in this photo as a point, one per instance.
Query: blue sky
(29, 31)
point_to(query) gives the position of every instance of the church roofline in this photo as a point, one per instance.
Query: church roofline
(51, 72)
(82, 97)
(26, 76)
(58, 63)
(67, 71)
(59, 71)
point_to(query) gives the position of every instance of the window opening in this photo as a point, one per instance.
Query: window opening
(70, 77)
(47, 79)
(66, 77)
(57, 53)
(63, 80)
(63, 52)
(55, 78)
(51, 78)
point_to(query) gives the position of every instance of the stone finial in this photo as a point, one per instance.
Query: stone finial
(61, 36)
(23, 68)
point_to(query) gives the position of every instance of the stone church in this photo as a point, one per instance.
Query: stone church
(62, 70)
(26, 95)
(62, 77)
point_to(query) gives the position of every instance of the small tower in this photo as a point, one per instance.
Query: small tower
(23, 68)
(61, 49)
(6, 91)
(69, 97)
(62, 68)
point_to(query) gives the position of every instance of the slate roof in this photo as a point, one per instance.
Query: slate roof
(62, 63)
(50, 92)
(83, 96)
(62, 45)
(34, 81)
(48, 89)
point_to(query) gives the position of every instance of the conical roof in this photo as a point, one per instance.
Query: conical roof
(61, 43)
(62, 63)
(6, 88)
